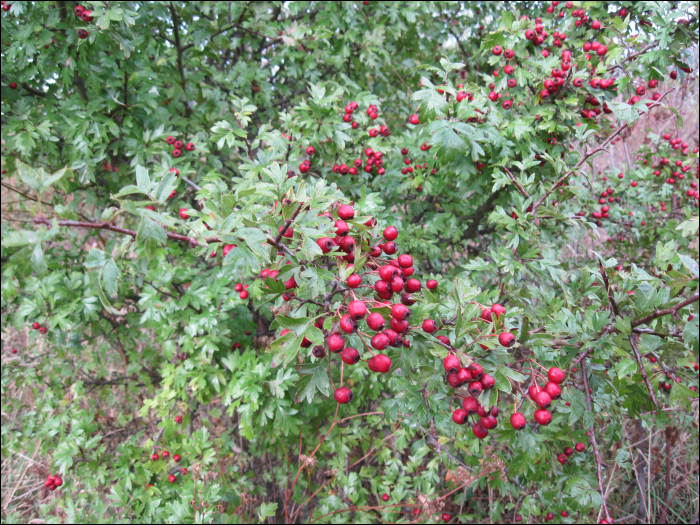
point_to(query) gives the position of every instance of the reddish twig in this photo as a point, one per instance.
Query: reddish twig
(588, 155)
(596, 452)
(517, 184)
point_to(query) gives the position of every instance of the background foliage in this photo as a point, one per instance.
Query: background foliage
(121, 260)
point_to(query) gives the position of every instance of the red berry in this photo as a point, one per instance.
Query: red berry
(155, 457)
(376, 322)
(580, 447)
(479, 431)
(343, 395)
(318, 352)
(243, 295)
(553, 390)
(178, 420)
(346, 212)
(354, 281)
(431, 284)
(413, 119)
(429, 326)
(543, 399)
(460, 416)
(350, 356)
(385, 497)
(348, 324)
(518, 421)
(451, 363)
(400, 311)
(391, 233)
(335, 343)
(380, 341)
(506, 339)
(357, 309)
(183, 213)
(543, 416)
(172, 478)
(189, 146)
(556, 375)
(176, 458)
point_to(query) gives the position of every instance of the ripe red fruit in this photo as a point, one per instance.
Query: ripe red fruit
(357, 309)
(486, 315)
(578, 82)
(82, 34)
(446, 516)
(475, 388)
(379, 363)
(497, 50)
(243, 294)
(343, 395)
(451, 363)
(460, 416)
(405, 261)
(412, 286)
(506, 339)
(376, 322)
(170, 140)
(488, 421)
(183, 213)
(400, 311)
(335, 343)
(543, 416)
(43, 330)
(288, 233)
(348, 324)
(325, 244)
(580, 447)
(543, 399)
(498, 310)
(166, 454)
(183, 472)
(172, 478)
(413, 119)
(487, 381)
(189, 146)
(354, 281)
(564, 514)
(350, 356)
(431, 284)
(176, 458)
(310, 151)
(178, 420)
(518, 421)
(562, 458)
(556, 375)
(155, 457)
(569, 451)
(341, 228)
(177, 153)
(36, 326)
(385, 497)
(380, 341)
(470, 404)
(479, 431)
(57, 481)
(390, 233)
(553, 390)
(429, 326)
(346, 212)
(318, 352)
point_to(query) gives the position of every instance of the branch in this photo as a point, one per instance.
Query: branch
(633, 56)
(519, 186)
(107, 226)
(649, 318)
(631, 339)
(588, 155)
(33, 91)
(178, 48)
(596, 452)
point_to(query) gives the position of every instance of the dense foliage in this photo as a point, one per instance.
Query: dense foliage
(216, 210)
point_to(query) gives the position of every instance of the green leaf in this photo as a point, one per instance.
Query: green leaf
(143, 181)
(267, 510)
(318, 380)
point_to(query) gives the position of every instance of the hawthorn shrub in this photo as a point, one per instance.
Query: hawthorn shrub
(330, 262)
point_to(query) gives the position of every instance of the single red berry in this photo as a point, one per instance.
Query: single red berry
(429, 326)
(346, 212)
(451, 363)
(543, 417)
(172, 478)
(176, 458)
(391, 233)
(376, 322)
(580, 447)
(518, 421)
(556, 375)
(166, 454)
(335, 343)
(82, 34)
(460, 416)
(543, 399)
(506, 339)
(479, 431)
(553, 390)
(343, 395)
(155, 457)
(380, 341)
(183, 213)
(178, 420)
(243, 294)
(431, 284)
(354, 281)
(385, 497)
(36, 326)
(350, 355)
(562, 458)
(413, 119)
(569, 451)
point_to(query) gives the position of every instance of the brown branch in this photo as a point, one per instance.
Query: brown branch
(596, 452)
(633, 56)
(285, 227)
(517, 184)
(178, 48)
(589, 154)
(631, 338)
(33, 91)
(649, 318)
(107, 226)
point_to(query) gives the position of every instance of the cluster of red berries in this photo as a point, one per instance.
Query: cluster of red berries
(86, 16)
(418, 166)
(53, 482)
(178, 145)
(165, 455)
(543, 397)
(109, 167)
(37, 326)
(563, 458)
(375, 159)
